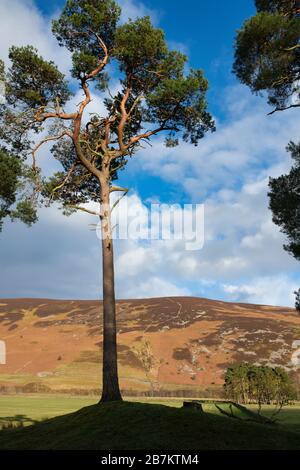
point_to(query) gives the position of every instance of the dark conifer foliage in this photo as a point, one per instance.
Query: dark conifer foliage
(267, 52)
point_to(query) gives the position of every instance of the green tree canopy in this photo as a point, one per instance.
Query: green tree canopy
(15, 190)
(267, 59)
(16, 182)
(284, 196)
(297, 303)
(249, 383)
(155, 95)
(267, 52)
(285, 202)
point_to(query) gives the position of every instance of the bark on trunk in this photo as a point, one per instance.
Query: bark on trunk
(110, 380)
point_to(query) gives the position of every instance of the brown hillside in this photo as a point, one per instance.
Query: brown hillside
(186, 342)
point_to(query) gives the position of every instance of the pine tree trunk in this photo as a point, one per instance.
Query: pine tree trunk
(110, 382)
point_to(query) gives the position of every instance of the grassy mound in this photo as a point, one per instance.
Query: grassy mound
(131, 426)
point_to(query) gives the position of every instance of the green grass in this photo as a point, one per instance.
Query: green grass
(289, 417)
(133, 425)
(26, 409)
(29, 408)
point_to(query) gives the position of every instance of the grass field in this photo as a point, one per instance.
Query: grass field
(30, 409)
(133, 425)
(154, 424)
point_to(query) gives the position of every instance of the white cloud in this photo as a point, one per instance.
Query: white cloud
(133, 9)
(275, 290)
(241, 243)
(21, 23)
(241, 240)
(153, 287)
(247, 146)
(179, 46)
(55, 258)
(242, 257)
(96, 106)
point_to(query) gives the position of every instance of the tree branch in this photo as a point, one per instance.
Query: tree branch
(292, 48)
(106, 140)
(124, 115)
(120, 198)
(118, 189)
(61, 185)
(77, 126)
(104, 61)
(98, 154)
(47, 139)
(146, 135)
(83, 209)
(284, 109)
(163, 127)
(64, 116)
(77, 116)
(136, 101)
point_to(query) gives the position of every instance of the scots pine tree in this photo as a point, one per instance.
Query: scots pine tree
(155, 96)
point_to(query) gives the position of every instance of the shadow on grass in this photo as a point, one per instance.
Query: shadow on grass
(290, 419)
(139, 426)
(17, 421)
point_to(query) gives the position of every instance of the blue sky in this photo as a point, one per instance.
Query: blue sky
(205, 30)
(242, 258)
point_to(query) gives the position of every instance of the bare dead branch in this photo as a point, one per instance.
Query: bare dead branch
(120, 198)
(289, 49)
(284, 108)
(44, 141)
(84, 209)
(124, 114)
(69, 174)
(39, 117)
(118, 189)
(136, 102)
(103, 63)
(146, 135)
